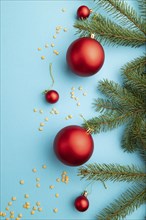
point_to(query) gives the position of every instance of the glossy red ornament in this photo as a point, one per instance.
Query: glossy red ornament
(73, 145)
(52, 96)
(85, 56)
(82, 203)
(83, 12)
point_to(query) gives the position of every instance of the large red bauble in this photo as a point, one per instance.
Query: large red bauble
(81, 203)
(85, 56)
(73, 145)
(52, 96)
(83, 12)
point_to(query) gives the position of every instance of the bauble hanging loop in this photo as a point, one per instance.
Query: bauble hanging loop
(51, 96)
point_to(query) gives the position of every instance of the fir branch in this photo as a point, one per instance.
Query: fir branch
(137, 65)
(129, 201)
(112, 172)
(121, 95)
(102, 105)
(134, 137)
(107, 121)
(124, 13)
(142, 8)
(109, 32)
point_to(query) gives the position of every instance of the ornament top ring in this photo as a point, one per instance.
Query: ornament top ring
(85, 56)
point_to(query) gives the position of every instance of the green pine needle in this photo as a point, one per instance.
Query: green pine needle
(124, 13)
(109, 32)
(112, 172)
(127, 203)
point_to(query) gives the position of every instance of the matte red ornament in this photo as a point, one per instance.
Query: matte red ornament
(85, 56)
(73, 145)
(82, 203)
(83, 12)
(52, 96)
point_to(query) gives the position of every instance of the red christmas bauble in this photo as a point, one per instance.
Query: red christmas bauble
(52, 96)
(85, 56)
(73, 145)
(81, 203)
(83, 12)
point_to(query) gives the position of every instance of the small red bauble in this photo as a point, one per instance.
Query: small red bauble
(52, 96)
(83, 12)
(85, 56)
(73, 145)
(81, 203)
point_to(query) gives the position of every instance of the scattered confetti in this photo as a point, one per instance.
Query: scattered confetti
(13, 198)
(56, 52)
(9, 203)
(32, 212)
(63, 10)
(65, 29)
(22, 182)
(7, 208)
(44, 166)
(3, 214)
(51, 187)
(56, 195)
(42, 57)
(20, 215)
(11, 216)
(26, 196)
(37, 179)
(38, 203)
(12, 212)
(46, 45)
(73, 88)
(84, 94)
(58, 180)
(39, 49)
(78, 104)
(34, 170)
(70, 116)
(52, 45)
(38, 185)
(40, 129)
(54, 36)
(80, 88)
(35, 110)
(40, 209)
(55, 210)
(17, 218)
(41, 111)
(76, 98)
(42, 124)
(46, 119)
(34, 208)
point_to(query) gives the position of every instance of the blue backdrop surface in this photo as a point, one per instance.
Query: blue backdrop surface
(26, 26)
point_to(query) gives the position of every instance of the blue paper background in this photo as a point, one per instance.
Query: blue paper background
(27, 25)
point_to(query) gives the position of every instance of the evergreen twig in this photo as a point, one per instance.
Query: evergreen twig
(112, 172)
(127, 203)
(124, 13)
(109, 32)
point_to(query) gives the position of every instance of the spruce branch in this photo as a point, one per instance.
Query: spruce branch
(112, 172)
(137, 65)
(127, 203)
(121, 95)
(109, 32)
(124, 13)
(142, 8)
(103, 105)
(107, 121)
